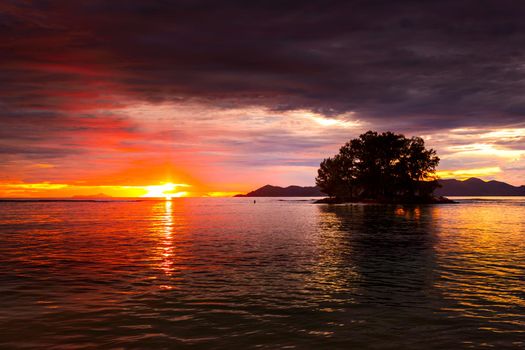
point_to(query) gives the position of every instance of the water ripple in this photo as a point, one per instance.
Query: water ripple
(224, 273)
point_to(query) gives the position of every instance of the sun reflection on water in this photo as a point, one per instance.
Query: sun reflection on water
(169, 226)
(167, 243)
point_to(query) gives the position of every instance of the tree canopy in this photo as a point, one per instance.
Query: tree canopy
(384, 166)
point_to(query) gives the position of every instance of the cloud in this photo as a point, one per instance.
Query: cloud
(468, 173)
(431, 63)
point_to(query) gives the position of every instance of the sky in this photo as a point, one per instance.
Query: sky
(221, 97)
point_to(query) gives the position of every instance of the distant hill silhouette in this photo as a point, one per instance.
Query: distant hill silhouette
(451, 187)
(290, 191)
(91, 196)
(478, 187)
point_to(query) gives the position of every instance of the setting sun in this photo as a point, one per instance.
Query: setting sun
(167, 190)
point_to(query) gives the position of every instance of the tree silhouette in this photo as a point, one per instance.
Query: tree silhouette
(384, 166)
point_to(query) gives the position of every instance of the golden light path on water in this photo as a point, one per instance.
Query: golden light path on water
(167, 255)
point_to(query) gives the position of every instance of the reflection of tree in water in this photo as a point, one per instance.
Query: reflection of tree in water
(389, 247)
(385, 261)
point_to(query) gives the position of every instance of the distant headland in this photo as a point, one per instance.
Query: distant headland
(290, 191)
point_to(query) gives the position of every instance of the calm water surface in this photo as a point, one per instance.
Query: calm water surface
(230, 274)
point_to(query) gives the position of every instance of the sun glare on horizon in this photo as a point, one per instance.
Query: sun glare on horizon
(167, 190)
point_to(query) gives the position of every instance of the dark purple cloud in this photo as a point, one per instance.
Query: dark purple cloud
(435, 64)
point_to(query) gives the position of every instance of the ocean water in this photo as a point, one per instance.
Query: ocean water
(282, 273)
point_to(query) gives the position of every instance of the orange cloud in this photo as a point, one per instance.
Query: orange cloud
(52, 190)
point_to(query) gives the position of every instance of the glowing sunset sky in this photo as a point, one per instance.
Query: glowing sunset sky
(226, 96)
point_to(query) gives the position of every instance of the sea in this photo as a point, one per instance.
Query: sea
(277, 273)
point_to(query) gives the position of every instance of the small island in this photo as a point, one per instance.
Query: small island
(381, 168)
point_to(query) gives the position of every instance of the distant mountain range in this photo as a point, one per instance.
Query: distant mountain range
(450, 187)
(478, 187)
